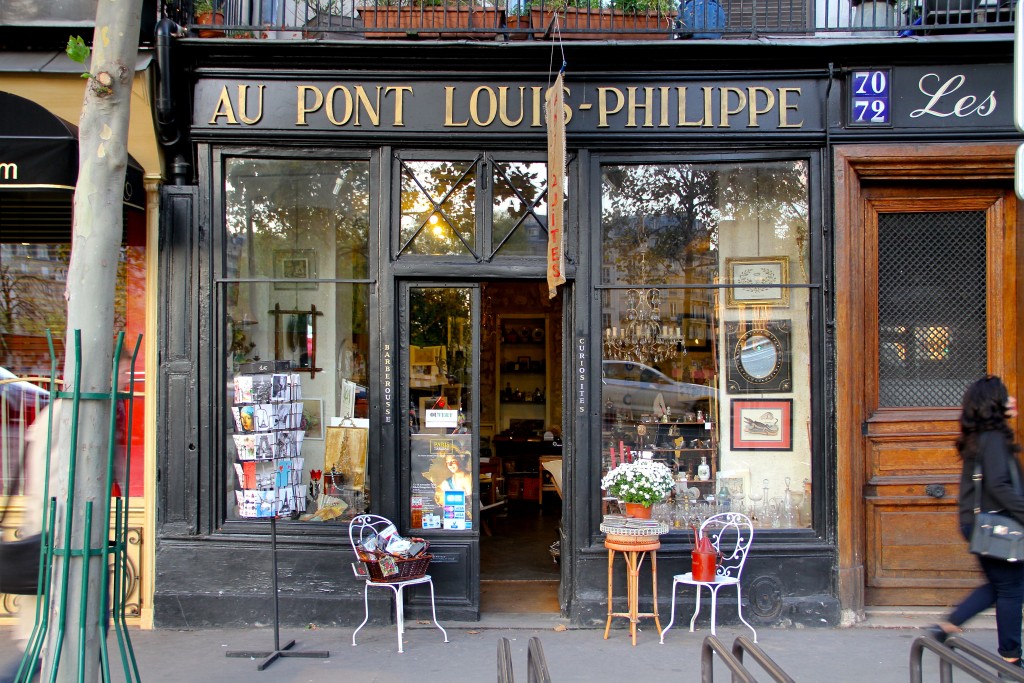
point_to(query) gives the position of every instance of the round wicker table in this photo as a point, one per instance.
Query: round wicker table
(633, 542)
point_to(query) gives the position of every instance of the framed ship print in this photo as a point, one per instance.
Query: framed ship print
(762, 425)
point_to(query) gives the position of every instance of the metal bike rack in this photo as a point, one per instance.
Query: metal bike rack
(734, 661)
(708, 649)
(743, 645)
(948, 659)
(505, 674)
(1012, 673)
(536, 662)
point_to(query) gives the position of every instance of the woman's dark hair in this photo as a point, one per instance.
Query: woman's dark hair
(984, 410)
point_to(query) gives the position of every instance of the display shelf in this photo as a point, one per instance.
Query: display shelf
(522, 379)
(652, 437)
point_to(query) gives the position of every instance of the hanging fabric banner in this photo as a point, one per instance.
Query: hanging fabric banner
(554, 101)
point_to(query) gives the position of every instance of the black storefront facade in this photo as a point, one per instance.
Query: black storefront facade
(721, 186)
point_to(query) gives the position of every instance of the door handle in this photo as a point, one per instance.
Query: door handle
(935, 490)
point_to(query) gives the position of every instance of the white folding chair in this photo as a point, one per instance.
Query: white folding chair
(361, 528)
(731, 534)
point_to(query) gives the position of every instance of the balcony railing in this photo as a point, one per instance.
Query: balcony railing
(588, 19)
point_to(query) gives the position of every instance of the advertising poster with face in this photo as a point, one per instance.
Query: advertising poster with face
(441, 489)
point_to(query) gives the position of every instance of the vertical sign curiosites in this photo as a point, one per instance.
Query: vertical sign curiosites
(581, 375)
(386, 381)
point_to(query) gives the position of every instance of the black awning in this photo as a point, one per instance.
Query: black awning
(40, 151)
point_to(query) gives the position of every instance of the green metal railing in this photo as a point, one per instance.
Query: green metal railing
(112, 553)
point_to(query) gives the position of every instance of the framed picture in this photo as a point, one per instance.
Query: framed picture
(757, 281)
(524, 362)
(297, 264)
(758, 357)
(313, 418)
(762, 425)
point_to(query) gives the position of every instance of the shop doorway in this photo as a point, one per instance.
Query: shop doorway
(521, 447)
(928, 296)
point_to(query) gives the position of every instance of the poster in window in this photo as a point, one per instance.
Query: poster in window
(441, 484)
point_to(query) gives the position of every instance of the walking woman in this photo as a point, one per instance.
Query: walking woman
(987, 438)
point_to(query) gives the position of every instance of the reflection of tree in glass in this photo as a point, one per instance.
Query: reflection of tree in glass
(436, 312)
(679, 208)
(673, 206)
(429, 311)
(520, 208)
(438, 207)
(32, 302)
(274, 204)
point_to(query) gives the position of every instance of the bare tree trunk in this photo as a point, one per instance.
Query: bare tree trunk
(92, 274)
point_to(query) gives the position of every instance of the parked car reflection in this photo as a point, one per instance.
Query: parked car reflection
(635, 387)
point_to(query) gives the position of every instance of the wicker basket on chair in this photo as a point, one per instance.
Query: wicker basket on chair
(408, 567)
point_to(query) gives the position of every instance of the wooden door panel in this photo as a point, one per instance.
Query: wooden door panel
(918, 555)
(913, 455)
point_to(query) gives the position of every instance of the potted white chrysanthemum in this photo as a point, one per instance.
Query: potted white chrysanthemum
(639, 484)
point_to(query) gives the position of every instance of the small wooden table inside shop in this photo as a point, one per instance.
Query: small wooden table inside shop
(633, 540)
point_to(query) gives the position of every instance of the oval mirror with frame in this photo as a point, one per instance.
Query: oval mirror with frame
(759, 357)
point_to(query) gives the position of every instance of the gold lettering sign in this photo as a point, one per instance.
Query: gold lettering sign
(502, 107)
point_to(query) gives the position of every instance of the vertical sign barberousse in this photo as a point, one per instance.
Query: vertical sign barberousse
(554, 115)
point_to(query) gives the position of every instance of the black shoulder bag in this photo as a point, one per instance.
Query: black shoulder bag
(995, 535)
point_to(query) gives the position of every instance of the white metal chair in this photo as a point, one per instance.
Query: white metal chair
(731, 534)
(359, 530)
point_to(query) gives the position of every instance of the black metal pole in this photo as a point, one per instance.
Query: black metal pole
(278, 651)
(273, 553)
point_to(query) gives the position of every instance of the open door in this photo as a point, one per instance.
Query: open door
(439, 415)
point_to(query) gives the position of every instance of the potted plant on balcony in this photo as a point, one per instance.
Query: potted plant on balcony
(415, 18)
(621, 19)
(518, 16)
(322, 18)
(207, 13)
(649, 19)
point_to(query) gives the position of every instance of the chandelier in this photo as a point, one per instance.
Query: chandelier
(642, 337)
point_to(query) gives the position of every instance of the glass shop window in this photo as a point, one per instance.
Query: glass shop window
(32, 282)
(295, 338)
(706, 346)
(440, 214)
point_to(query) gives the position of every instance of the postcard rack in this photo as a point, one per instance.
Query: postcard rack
(267, 414)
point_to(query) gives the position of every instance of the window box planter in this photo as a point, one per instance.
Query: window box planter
(599, 22)
(424, 21)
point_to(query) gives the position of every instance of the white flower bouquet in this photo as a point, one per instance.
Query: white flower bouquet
(643, 481)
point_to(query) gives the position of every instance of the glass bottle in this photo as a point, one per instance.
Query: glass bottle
(805, 504)
(703, 470)
(723, 499)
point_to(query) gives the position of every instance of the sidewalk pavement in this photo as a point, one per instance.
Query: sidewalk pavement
(875, 650)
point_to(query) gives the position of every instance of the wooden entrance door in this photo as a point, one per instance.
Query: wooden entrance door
(926, 298)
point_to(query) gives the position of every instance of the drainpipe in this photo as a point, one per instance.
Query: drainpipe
(167, 127)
